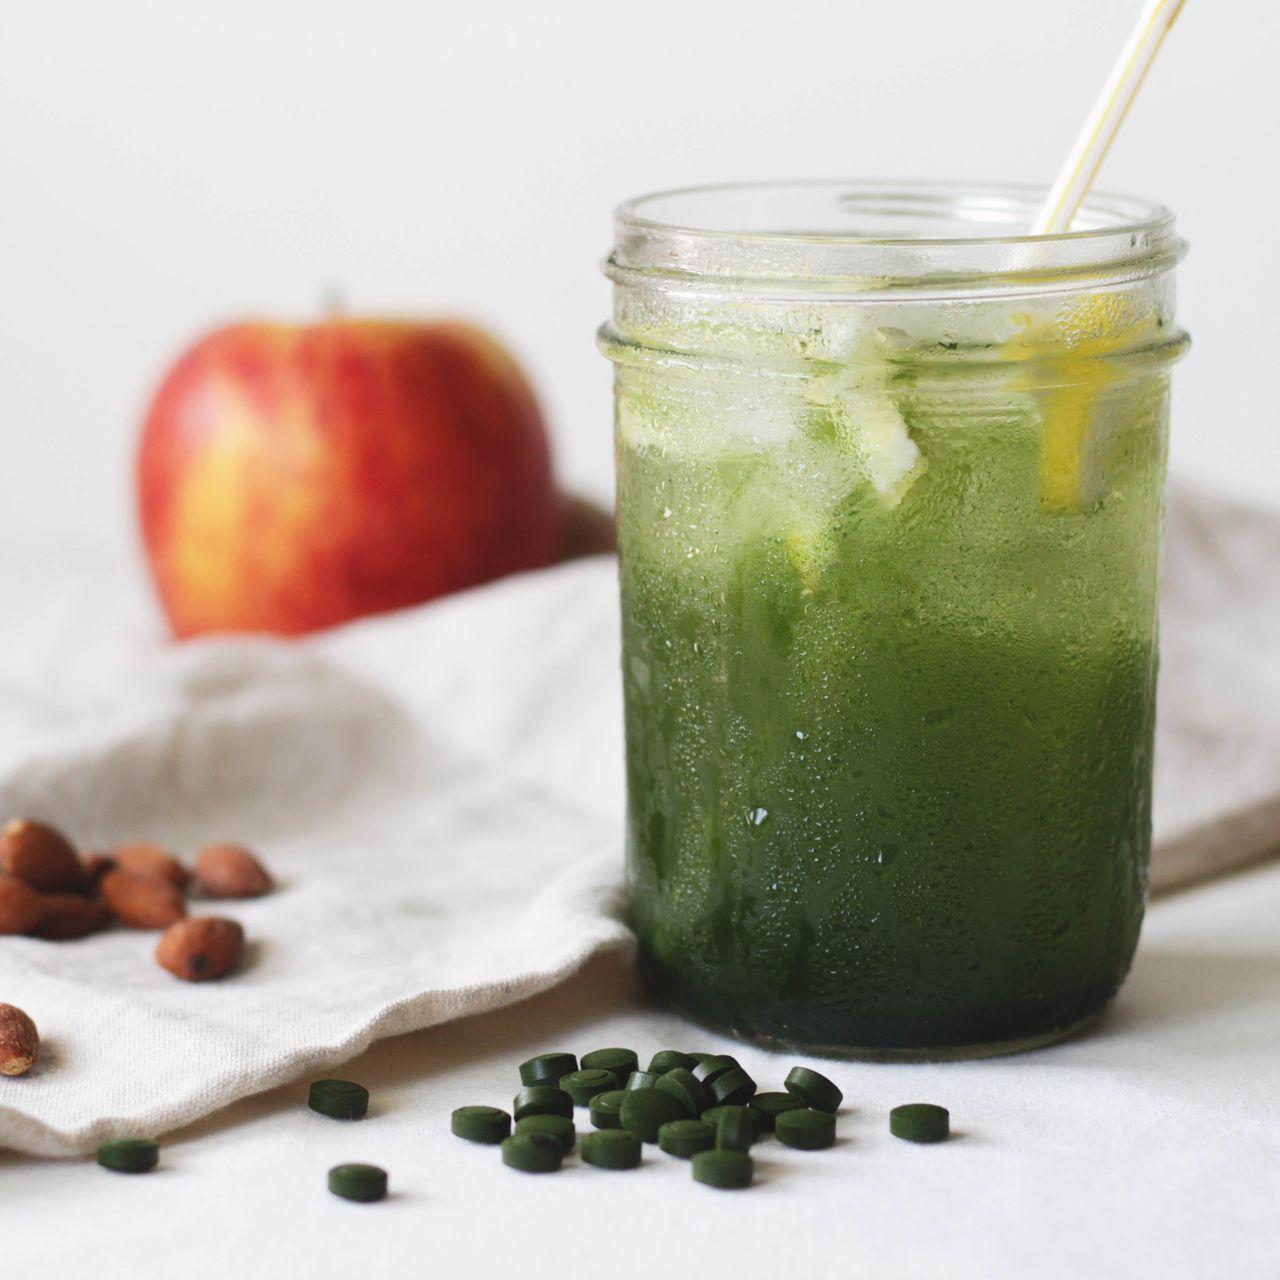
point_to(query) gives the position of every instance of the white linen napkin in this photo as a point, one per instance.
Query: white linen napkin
(439, 793)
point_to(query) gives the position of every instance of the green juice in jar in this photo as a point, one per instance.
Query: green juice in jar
(889, 656)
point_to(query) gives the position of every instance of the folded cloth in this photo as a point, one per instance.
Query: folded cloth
(439, 793)
(1217, 794)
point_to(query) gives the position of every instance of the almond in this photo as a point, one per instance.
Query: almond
(201, 948)
(66, 916)
(19, 906)
(39, 854)
(19, 1041)
(93, 866)
(231, 871)
(139, 902)
(152, 862)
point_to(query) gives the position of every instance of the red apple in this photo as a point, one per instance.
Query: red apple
(293, 477)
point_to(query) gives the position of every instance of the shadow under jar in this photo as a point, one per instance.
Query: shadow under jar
(890, 482)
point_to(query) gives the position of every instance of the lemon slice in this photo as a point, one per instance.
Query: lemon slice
(807, 550)
(1071, 474)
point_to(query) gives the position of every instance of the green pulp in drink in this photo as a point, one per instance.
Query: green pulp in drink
(889, 699)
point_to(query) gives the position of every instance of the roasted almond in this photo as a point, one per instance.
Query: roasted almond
(19, 906)
(39, 854)
(139, 902)
(65, 916)
(152, 862)
(19, 1041)
(201, 948)
(93, 866)
(231, 871)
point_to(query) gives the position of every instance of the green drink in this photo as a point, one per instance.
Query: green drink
(888, 563)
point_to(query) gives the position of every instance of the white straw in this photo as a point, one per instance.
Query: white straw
(1077, 175)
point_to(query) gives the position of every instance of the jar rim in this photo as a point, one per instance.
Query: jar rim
(1105, 212)
(884, 234)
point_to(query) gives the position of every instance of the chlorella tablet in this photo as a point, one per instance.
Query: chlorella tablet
(558, 1127)
(547, 1068)
(727, 1170)
(645, 1111)
(769, 1106)
(611, 1149)
(920, 1122)
(129, 1155)
(583, 1085)
(481, 1124)
(712, 1115)
(819, 1092)
(532, 1153)
(733, 1086)
(622, 1062)
(605, 1108)
(735, 1128)
(541, 1100)
(689, 1092)
(686, 1138)
(642, 1080)
(716, 1065)
(339, 1099)
(808, 1130)
(666, 1059)
(362, 1182)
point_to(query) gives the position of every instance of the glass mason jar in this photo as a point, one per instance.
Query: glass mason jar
(890, 488)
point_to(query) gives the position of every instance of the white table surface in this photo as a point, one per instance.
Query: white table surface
(1148, 1148)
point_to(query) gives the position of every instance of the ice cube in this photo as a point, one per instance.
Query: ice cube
(892, 459)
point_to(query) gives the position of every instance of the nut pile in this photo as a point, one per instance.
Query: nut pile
(49, 891)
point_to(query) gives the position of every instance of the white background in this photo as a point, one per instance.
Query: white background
(165, 167)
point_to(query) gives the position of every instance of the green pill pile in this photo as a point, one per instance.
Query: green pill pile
(700, 1107)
